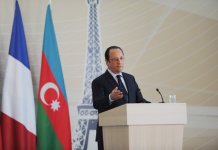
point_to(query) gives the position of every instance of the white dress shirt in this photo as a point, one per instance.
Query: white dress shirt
(115, 78)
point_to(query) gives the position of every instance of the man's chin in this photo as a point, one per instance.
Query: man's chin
(119, 70)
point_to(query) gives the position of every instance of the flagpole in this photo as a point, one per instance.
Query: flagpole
(49, 3)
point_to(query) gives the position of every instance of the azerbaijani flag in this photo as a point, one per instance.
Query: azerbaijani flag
(53, 123)
(18, 122)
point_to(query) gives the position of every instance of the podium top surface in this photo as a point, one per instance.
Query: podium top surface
(145, 114)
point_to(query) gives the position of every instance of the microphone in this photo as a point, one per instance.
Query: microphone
(160, 95)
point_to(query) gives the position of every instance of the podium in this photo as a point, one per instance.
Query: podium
(144, 126)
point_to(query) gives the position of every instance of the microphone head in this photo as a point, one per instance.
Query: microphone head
(160, 95)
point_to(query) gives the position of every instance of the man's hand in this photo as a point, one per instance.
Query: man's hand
(116, 94)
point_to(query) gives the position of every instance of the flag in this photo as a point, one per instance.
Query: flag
(53, 122)
(18, 121)
(0, 137)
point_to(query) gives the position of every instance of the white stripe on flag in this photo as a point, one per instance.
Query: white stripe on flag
(18, 99)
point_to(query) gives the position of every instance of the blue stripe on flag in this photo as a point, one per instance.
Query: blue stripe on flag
(50, 49)
(18, 48)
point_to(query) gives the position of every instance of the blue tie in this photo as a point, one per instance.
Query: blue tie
(122, 88)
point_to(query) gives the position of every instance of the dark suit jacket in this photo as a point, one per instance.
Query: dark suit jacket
(102, 87)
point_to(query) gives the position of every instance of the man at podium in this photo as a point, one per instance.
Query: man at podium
(114, 87)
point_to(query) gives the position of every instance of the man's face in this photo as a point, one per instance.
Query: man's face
(116, 61)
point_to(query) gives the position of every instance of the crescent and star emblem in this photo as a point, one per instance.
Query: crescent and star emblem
(55, 104)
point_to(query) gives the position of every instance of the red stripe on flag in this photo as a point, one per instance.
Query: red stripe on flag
(15, 135)
(0, 137)
(59, 117)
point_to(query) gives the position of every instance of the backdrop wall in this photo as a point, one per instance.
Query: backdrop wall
(171, 45)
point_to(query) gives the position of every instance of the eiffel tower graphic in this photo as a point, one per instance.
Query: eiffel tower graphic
(87, 115)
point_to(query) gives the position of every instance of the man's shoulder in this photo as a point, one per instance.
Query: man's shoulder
(101, 77)
(127, 74)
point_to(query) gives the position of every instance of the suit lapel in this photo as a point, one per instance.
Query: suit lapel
(128, 82)
(110, 78)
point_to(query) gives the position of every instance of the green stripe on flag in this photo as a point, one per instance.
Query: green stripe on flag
(46, 137)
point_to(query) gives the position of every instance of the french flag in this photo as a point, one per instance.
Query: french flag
(18, 123)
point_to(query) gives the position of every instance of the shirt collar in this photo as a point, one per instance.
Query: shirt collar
(113, 74)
